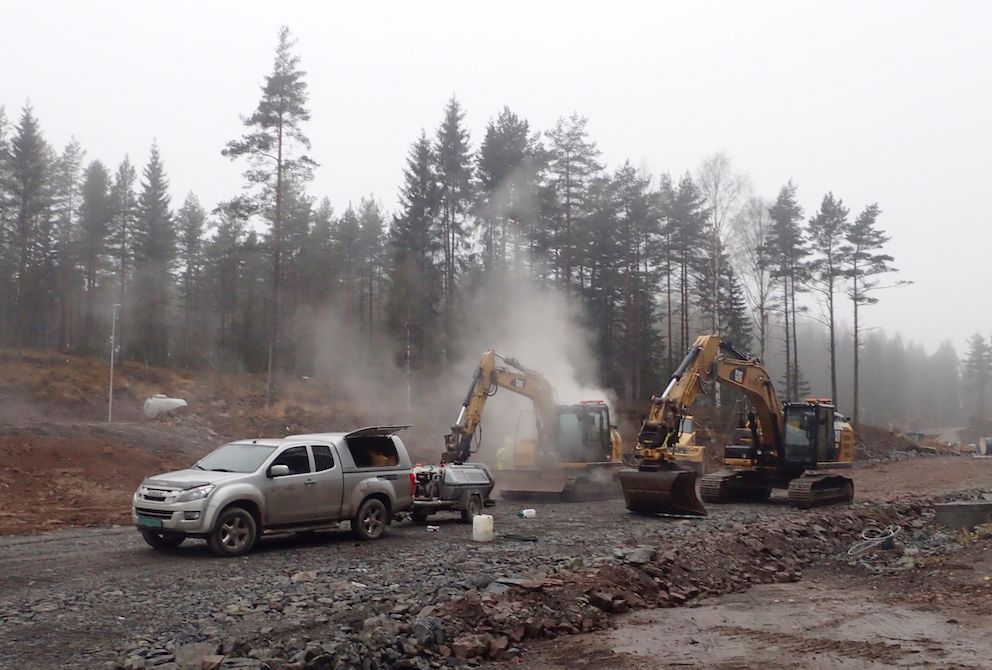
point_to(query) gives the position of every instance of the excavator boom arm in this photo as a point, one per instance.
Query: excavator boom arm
(494, 372)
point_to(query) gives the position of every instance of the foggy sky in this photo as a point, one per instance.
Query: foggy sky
(882, 101)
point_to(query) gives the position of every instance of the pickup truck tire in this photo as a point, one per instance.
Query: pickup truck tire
(234, 533)
(371, 520)
(474, 508)
(161, 540)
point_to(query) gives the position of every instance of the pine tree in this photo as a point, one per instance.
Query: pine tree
(787, 250)
(863, 262)
(154, 262)
(191, 220)
(28, 190)
(827, 230)
(275, 134)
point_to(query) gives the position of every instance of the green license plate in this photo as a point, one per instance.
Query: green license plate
(149, 522)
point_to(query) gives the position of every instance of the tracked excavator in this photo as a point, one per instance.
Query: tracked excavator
(577, 451)
(786, 445)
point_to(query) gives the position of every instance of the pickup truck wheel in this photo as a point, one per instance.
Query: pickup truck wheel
(370, 522)
(419, 516)
(161, 540)
(474, 509)
(234, 533)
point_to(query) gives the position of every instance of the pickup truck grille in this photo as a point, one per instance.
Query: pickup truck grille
(155, 513)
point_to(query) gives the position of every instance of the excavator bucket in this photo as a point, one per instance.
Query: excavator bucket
(661, 492)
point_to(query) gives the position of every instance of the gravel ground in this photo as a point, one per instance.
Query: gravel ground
(77, 599)
(96, 597)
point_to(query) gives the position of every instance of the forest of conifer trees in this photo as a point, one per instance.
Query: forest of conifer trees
(649, 261)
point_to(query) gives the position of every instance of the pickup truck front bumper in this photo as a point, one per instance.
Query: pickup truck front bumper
(190, 518)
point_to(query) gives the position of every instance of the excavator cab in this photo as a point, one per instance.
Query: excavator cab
(584, 433)
(809, 434)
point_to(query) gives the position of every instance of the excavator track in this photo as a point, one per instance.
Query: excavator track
(712, 488)
(819, 490)
(733, 486)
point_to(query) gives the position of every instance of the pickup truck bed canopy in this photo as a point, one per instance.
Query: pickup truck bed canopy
(376, 431)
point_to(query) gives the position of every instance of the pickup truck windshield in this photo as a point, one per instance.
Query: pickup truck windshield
(236, 457)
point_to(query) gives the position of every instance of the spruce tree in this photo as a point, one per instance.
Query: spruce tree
(94, 221)
(572, 163)
(413, 247)
(453, 157)
(191, 221)
(6, 224)
(124, 218)
(507, 167)
(978, 373)
(28, 190)
(154, 262)
(67, 187)
(371, 238)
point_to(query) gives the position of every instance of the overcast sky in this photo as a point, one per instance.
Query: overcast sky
(876, 101)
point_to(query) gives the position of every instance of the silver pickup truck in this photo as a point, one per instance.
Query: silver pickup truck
(245, 489)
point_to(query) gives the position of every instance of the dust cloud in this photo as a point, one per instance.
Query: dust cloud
(538, 325)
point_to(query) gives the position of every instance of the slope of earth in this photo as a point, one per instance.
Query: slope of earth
(62, 464)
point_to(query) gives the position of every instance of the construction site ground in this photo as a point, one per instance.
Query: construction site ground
(580, 585)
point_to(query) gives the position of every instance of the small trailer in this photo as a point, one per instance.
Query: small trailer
(465, 488)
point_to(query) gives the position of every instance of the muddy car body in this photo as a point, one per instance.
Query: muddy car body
(250, 488)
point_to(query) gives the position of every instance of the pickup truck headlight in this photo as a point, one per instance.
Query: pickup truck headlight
(199, 493)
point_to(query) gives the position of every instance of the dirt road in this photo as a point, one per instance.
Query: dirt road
(79, 598)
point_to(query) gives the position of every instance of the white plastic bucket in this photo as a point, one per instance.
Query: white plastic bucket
(482, 528)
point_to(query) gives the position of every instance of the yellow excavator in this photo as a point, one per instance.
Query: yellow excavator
(577, 450)
(785, 446)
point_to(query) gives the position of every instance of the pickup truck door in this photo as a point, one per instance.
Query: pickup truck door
(291, 498)
(329, 482)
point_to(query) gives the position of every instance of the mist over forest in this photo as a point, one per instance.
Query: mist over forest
(510, 236)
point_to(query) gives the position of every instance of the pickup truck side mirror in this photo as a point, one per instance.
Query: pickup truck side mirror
(279, 470)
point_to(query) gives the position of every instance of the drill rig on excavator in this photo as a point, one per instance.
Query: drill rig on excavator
(576, 449)
(787, 447)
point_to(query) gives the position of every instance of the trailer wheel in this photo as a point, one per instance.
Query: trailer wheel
(473, 509)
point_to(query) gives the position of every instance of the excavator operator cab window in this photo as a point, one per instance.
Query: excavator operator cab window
(582, 433)
(800, 434)
(809, 434)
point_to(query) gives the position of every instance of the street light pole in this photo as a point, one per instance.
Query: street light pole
(113, 348)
